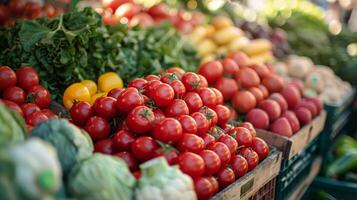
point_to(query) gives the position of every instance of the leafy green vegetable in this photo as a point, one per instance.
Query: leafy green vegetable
(12, 126)
(76, 46)
(101, 177)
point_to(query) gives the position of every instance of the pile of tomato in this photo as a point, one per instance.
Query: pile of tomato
(176, 116)
(21, 92)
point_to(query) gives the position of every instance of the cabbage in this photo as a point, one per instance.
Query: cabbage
(71, 143)
(12, 126)
(101, 177)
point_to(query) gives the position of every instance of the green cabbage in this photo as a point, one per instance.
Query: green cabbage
(71, 143)
(101, 177)
(12, 126)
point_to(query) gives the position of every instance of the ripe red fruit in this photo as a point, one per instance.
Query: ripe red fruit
(129, 160)
(211, 70)
(106, 107)
(223, 114)
(298, 84)
(219, 96)
(271, 107)
(318, 103)
(122, 140)
(27, 77)
(282, 127)
(13, 106)
(243, 136)
(250, 127)
(203, 188)
(212, 162)
(273, 83)
(260, 147)
(193, 101)
(104, 146)
(138, 83)
(230, 142)
(168, 130)
(230, 67)
(208, 97)
(239, 165)
(14, 94)
(222, 151)
(264, 91)
(35, 118)
(81, 112)
(191, 81)
(191, 143)
(258, 118)
(201, 121)
(310, 106)
(258, 94)
(140, 120)
(188, 124)
(280, 100)
(98, 128)
(225, 177)
(240, 58)
(247, 77)
(292, 96)
(293, 120)
(162, 95)
(261, 69)
(7, 77)
(251, 157)
(115, 93)
(304, 115)
(243, 101)
(29, 108)
(203, 81)
(176, 108)
(143, 148)
(191, 164)
(227, 86)
(129, 99)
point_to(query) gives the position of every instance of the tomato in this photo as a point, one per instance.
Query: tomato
(219, 96)
(170, 155)
(203, 188)
(129, 99)
(143, 148)
(168, 130)
(225, 177)
(230, 142)
(35, 118)
(260, 147)
(251, 156)
(190, 142)
(191, 164)
(152, 77)
(162, 95)
(212, 162)
(230, 67)
(222, 151)
(4, 13)
(176, 108)
(14, 94)
(273, 83)
(109, 81)
(239, 165)
(227, 128)
(81, 112)
(193, 101)
(40, 96)
(32, 10)
(243, 101)
(264, 90)
(49, 113)
(223, 114)
(159, 116)
(261, 69)
(191, 81)
(211, 70)
(27, 77)
(104, 146)
(91, 86)
(243, 136)
(188, 124)
(50, 11)
(13, 106)
(16, 6)
(227, 86)
(115, 93)
(142, 19)
(208, 139)
(129, 160)
(240, 58)
(150, 87)
(177, 71)
(95, 97)
(75, 92)
(140, 120)
(106, 107)
(178, 87)
(159, 11)
(138, 83)
(201, 121)
(29, 108)
(113, 5)
(258, 94)
(208, 97)
(203, 81)
(122, 140)
(7, 77)
(98, 128)
(250, 127)
(247, 77)
(137, 175)
(214, 183)
(127, 10)
(168, 78)
(210, 114)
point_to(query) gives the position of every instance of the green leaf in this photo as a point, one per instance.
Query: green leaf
(32, 32)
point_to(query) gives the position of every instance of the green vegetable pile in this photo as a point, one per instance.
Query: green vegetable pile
(12, 126)
(76, 46)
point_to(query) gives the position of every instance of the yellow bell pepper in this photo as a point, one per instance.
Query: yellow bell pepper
(75, 92)
(91, 85)
(109, 81)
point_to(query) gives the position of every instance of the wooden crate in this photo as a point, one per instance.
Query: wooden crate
(293, 145)
(249, 184)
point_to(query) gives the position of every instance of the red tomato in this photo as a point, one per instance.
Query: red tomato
(4, 13)
(176, 108)
(35, 118)
(7, 77)
(203, 81)
(250, 127)
(258, 94)
(13, 106)
(212, 162)
(40, 95)
(127, 10)
(138, 83)
(168, 78)
(190, 142)
(29, 108)
(188, 124)
(14, 94)
(49, 113)
(177, 71)
(129, 99)
(171, 156)
(243, 136)
(252, 158)
(280, 100)
(115, 93)
(222, 151)
(260, 147)
(211, 70)
(129, 160)
(152, 77)
(225, 177)
(137, 175)
(27, 77)
(104, 146)
(16, 7)
(191, 164)
(201, 121)
(203, 188)
(168, 130)
(32, 10)
(159, 116)
(273, 83)
(191, 81)
(239, 165)
(193, 101)
(143, 148)
(162, 95)
(229, 66)
(219, 96)
(158, 11)
(243, 101)
(208, 97)
(210, 114)
(240, 58)
(223, 114)
(227, 86)
(116, 3)
(262, 70)
(142, 19)
(271, 107)
(227, 128)
(140, 120)
(247, 77)
(264, 91)
(258, 117)
(230, 142)
(106, 107)
(81, 112)
(98, 128)
(150, 87)
(122, 140)
(179, 88)
(208, 139)
(50, 11)
(214, 183)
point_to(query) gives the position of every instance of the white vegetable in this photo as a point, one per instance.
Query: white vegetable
(315, 81)
(298, 66)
